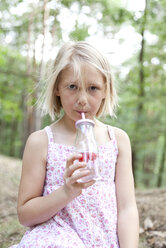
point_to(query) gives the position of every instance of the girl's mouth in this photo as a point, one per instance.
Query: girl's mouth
(81, 112)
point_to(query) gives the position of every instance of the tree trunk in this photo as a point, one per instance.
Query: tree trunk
(162, 164)
(133, 162)
(141, 82)
(38, 118)
(141, 92)
(3, 136)
(27, 109)
(13, 135)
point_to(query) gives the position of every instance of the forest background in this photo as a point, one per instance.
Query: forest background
(31, 32)
(132, 34)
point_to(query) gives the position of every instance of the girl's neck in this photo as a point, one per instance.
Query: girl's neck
(68, 124)
(64, 131)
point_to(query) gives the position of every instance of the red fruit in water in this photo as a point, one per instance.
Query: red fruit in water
(86, 156)
(94, 156)
(81, 159)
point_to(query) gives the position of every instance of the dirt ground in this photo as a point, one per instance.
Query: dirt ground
(151, 205)
(152, 212)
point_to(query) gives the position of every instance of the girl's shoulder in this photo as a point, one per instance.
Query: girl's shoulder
(119, 133)
(121, 137)
(36, 146)
(37, 138)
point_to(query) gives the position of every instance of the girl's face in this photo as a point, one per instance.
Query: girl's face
(81, 95)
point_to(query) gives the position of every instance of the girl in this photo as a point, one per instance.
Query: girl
(60, 211)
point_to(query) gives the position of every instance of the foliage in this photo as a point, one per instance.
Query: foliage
(141, 111)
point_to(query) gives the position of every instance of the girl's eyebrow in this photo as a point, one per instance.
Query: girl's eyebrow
(93, 83)
(72, 82)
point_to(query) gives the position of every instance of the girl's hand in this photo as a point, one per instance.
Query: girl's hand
(73, 173)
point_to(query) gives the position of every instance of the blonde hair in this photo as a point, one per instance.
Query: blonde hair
(73, 54)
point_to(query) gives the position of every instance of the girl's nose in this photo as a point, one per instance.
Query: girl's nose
(82, 98)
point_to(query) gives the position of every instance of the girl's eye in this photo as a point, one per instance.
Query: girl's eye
(72, 87)
(92, 88)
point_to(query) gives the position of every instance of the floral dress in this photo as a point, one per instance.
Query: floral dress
(90, 220)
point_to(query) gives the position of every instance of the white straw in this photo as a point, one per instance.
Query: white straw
(83, 115)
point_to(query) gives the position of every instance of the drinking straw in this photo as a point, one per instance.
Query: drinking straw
(83, 115)
(85, 127)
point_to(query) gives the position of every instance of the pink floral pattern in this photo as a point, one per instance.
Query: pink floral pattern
(90, 220)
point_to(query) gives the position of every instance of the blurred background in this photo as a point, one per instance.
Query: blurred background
(131, 33)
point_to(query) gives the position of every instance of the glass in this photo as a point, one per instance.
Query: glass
(86, 145)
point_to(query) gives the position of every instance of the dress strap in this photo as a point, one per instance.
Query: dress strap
(112, 136)
(49, 134)
(111, 132)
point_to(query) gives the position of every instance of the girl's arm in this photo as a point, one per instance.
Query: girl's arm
(128, 220)
(33, 208)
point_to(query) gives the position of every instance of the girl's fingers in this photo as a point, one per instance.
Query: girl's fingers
(70, 160)
(88, 184)
(76, 176)
(76, 171)
(71, 169)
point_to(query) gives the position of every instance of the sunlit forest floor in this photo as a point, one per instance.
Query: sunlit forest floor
(151, 205)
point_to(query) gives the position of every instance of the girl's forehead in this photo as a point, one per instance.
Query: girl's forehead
(81, 72)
